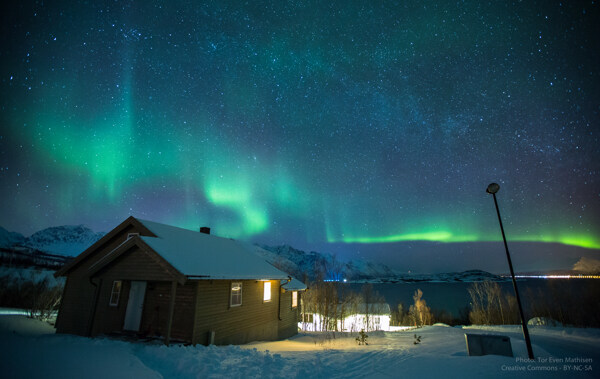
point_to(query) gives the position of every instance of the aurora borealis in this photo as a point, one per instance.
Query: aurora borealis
(306, 122)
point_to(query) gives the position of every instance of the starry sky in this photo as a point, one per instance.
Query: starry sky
(321, 124)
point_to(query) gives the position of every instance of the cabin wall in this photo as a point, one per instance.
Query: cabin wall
(288, 325)
(78, 295)
(156, 311)
(254, 320)
(138, 265)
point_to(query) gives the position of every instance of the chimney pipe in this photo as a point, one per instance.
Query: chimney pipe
(205, 229)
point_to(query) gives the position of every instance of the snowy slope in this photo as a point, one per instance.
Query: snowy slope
(450, 277)
(68, 240)
(442, 353)
(9, 239)
(64, 240)
(299, 262)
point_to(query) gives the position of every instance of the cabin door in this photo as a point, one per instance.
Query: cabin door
(135, 305)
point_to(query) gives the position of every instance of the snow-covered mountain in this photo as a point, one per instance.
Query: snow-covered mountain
(449, 277)
(71, 240)
(9, 239)
(313, 264)
(68, 240)
(65, 240)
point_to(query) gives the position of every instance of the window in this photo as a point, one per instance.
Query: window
(267, 292)
(294, 299)
(236, 294)
(115, 293)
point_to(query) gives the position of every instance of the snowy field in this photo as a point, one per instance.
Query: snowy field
(31, 349)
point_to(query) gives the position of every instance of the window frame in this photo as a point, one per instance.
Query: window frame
(238, 293)
(113, 301)
(267, 290)
(294, 299)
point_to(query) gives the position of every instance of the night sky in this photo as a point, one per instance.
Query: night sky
(312, 123)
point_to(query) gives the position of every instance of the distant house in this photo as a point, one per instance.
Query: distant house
(373, 316)
(157, 280)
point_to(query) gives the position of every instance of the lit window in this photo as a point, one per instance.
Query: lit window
(115, 293)
(236, 294)
(294, 299)
(267, 292)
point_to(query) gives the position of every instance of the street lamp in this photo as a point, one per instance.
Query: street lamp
(492, 189)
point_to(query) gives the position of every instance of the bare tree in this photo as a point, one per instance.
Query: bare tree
(367, 293)
(322, 299)
(419, 311)
(490, 305)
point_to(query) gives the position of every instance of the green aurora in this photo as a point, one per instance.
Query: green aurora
(364, 124)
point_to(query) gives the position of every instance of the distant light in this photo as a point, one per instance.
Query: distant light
(557, 276)
(345, 280)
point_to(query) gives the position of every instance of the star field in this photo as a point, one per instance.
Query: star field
(304, 122)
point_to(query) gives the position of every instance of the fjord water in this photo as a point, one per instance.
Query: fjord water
(453, 297)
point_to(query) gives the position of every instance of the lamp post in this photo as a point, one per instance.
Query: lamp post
(492, 189)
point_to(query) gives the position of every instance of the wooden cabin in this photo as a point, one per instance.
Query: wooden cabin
(154, 280)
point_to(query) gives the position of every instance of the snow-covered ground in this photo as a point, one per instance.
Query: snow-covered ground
(31, 349)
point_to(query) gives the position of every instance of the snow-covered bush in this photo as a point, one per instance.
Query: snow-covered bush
(362, 338)
(417, 340)
(542, 321)
(34, 290)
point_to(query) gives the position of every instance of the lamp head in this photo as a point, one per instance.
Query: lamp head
(493, 188)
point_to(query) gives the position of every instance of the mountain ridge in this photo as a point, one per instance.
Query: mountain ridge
(66, 240)
(316, 265)
(71, 240)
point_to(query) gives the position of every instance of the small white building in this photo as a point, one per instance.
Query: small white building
(369, 317)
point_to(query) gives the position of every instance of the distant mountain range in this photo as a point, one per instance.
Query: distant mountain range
(70, 240)
(315, 265)
(325, 266)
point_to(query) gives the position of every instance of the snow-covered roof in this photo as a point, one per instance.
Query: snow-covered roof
(197, 254)
(293, 285)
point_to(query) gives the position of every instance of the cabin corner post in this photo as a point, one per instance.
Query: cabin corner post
(171, 311)
(92, 317)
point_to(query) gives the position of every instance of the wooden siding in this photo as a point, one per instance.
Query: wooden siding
(78, 295)
(137, 264)
(109, 319)
(288, 325)
(156, 311)
(254, 320)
